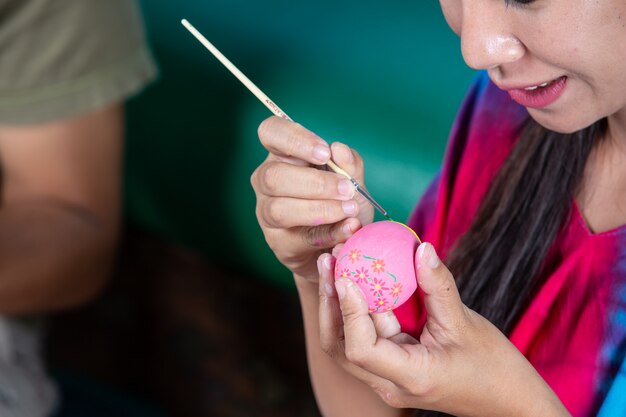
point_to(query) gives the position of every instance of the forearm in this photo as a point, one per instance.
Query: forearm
(338, 393)
(524, 393)
(52, 256)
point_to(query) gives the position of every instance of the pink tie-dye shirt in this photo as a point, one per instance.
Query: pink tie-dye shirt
(574, 331)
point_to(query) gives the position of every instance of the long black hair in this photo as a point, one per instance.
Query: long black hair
(497, 262)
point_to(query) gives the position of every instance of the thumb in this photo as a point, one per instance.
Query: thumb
(358, 328)
(441, 296)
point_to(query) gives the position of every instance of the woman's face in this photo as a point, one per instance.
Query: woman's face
(578, 47)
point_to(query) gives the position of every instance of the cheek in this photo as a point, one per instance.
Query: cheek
(453, 12)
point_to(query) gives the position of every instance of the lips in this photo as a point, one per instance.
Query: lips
(540, 95)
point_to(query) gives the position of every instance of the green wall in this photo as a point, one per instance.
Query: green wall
(386, 79)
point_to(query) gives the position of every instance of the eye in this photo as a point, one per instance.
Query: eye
(518, 2)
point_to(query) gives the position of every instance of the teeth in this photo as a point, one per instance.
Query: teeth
(537, 86)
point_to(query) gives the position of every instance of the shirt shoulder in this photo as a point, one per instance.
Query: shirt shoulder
(65, 57)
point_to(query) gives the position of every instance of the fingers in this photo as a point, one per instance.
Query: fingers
(363, 346)
(303, 210)
(337, 249)
(287, 139)
(278, 179)
(356, 318)
(292, 212)
(441, 296)
(305, 240)
(348, 160)
(331, 330)
(386, 324)
(351, 162)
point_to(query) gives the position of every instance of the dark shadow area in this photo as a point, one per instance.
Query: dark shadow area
(175, 330)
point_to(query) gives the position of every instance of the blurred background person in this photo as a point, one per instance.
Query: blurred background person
(66, 67)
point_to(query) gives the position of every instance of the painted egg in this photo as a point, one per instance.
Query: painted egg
(380, 259)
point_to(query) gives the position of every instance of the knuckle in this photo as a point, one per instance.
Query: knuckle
(318, 184)
(446, 283)
(463, 324)
(330, 349)
(275, 240)
(295, 139)
(257, 176)
(271, 176)
(254, 178)
(319, 236)
(274, 213)
(357, 355)
(322, 211)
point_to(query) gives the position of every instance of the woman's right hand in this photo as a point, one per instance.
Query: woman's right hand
(303, 210)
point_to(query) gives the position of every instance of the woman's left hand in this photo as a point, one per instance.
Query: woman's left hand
(461, 364)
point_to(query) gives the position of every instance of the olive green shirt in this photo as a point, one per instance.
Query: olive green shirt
(60, 58)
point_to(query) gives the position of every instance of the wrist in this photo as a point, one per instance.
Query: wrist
(305, 285)
(532, 396)
(548, 405)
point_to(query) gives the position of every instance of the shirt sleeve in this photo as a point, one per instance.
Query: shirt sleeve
(65, 57)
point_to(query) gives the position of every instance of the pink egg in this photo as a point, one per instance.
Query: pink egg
(380, 258)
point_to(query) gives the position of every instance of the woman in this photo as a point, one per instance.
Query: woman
(528, 213)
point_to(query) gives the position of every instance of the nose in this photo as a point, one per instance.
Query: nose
(487, 39)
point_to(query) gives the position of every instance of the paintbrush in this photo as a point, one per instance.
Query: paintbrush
(274, 108)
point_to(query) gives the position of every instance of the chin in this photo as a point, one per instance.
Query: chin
(560, 125)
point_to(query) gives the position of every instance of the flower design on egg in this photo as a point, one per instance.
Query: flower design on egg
(361, 275)
(396, 289)
(378, 286)
(378, 265)
(354, 255)
(345, 273)
(381, 303)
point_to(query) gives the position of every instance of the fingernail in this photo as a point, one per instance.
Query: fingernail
(347, 230)
(340, 286)
(321, 153)
(326, 261)
(427, 255)
(346, 188)
(349, 207)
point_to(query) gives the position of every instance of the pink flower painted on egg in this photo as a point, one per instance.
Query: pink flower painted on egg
(378, 265)
(354, 255)
(381, 303)
(345, 273)
(361, 275)
(396, 289)
(377, 286)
